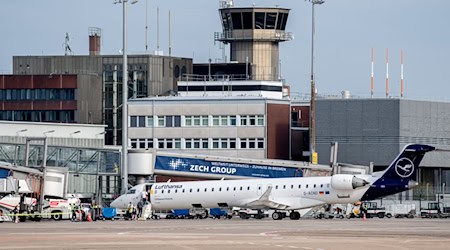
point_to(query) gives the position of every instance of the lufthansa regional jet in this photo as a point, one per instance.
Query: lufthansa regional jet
(285, 194)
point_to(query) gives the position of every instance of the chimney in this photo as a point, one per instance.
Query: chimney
(95, 35)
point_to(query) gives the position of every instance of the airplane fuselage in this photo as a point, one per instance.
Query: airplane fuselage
(296, 193)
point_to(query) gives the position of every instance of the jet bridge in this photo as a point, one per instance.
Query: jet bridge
(159, 165)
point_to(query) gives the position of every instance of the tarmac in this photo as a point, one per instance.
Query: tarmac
(308, 234)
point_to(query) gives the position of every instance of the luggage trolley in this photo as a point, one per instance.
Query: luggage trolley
(109, 213)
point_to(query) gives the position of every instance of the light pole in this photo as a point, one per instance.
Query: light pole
(124, 98)
(312, 132)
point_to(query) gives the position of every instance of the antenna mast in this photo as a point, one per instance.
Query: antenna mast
(157, 29)
(66, 45)
(146, 25)
(387, 73)
(401, 76)
(170, 42)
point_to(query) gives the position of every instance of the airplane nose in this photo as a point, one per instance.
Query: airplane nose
(114, 203)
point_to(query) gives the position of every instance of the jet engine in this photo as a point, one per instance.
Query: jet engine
(347, 182)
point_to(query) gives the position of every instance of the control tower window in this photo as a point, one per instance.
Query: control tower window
(237, 20)
(280, 20)
(271, 17)
(259, 20)
(247, 20)
(226, 21)
(283, 24)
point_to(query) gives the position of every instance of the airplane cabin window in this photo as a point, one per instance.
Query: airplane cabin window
(182, 190)
(198, 190)
(206, 190)
(276, 186)
(220, 189)
(212, 189)
(299, 186)
(284, 186)
(328, 185)
(190, 190)
(240, 188)
(307, 185)
(248, 188)
(259, 188)
(314, 185)
(292, 186)
(321, 185)
(131, 191)
(228, 188)
(234, 188)
(162, 191)
(176, 190)
(168, 191)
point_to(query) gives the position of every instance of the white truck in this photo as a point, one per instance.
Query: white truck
(58, 209)
(401, 211)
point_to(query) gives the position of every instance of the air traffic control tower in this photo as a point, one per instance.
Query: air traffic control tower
(254, 34)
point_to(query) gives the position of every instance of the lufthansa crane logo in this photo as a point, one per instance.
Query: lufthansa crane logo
(404, 167)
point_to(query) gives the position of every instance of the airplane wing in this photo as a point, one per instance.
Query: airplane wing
(265, 202)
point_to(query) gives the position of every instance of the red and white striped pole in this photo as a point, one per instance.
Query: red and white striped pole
(401, 76)
(387, 73)
(371, 79)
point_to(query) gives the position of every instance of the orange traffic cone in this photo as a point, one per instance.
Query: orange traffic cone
(89, 218)
(364, 216)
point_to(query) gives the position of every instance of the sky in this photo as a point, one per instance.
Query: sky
(346, 32)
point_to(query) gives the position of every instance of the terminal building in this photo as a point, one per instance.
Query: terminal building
(376, 130)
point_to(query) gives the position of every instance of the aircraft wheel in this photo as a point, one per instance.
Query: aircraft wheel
(294, 216)
(276, 216)
(380, 215)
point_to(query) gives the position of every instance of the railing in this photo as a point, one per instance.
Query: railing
(248, 35)
(223, 78)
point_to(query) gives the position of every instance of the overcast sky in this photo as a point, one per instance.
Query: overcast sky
(346, 31)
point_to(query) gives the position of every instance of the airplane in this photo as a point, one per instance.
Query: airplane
(284, 194)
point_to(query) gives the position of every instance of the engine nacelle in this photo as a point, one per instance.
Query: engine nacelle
(347, 182)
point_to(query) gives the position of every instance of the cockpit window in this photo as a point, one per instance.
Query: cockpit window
(131, 191)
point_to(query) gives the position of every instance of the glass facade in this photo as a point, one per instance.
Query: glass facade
(269, 20)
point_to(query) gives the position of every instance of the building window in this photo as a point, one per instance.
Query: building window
(224, 120)
(169, 143)
(169, 121)
(197, 143)
(149, 121)
(252, 143)
(252, 120)
(141, 143)
(199, 120)
(137, 121)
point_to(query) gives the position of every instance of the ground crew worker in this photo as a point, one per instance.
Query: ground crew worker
(73, 207)
(130, 211)
(140, 205)
(16, 213)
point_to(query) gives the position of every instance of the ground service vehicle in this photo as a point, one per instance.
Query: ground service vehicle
(435, 210)
(401, 211)
(372, 209)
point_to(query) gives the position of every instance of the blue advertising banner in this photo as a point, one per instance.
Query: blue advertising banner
(224, 168)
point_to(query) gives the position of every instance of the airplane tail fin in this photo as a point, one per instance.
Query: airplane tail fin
(400, 174)
(406, 163)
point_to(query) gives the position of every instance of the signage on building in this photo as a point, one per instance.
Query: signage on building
(201, 166)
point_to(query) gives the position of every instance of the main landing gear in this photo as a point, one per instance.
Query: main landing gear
(293, 215)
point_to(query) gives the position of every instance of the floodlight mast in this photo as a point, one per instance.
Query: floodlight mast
(312, 132)
(124, 171)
